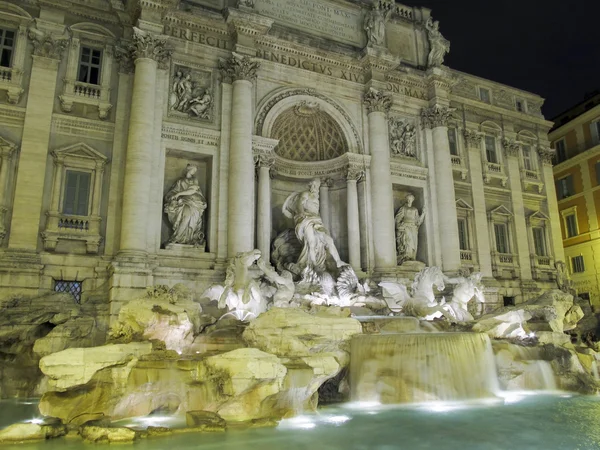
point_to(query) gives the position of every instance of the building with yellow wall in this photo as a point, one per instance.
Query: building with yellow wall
(576, 138)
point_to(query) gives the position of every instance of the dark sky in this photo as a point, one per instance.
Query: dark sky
(551, 48)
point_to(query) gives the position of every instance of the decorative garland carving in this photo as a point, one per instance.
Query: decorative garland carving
(238, 67)
(547, 154)
(403, 138)
(46, 45)
(124, 56)
(511, 147)
(377, 101)
(472, 138)
(436, 116)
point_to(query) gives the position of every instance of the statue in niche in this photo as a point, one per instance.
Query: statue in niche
(316, 242)
(438, 45)
(184, 206)
(403, 138)
(408, 220)
(466, 287)
(374, 23)
(188, 97)
(563, 282)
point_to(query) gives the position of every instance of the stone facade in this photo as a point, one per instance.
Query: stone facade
(576, 140)
(107, 105)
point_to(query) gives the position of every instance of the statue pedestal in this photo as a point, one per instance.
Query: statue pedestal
(186, 250)
(411, 266)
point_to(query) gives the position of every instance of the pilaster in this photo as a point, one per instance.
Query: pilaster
(353, 176)
(546, 156)
(246, 26)
(264, 160)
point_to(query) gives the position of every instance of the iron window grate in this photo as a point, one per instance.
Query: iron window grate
(70, 287)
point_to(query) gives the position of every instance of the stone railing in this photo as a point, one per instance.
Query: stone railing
(543, 260)
(466, 255)
(542, 267)
(530, 174)
(87, 90)
(67, 227)
(456, 161)
(458, 166)
(505, 258)
(494, 167)
(494, 171)
(531, 178)
(5, 74)
(505, 265)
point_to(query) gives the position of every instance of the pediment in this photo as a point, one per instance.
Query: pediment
(79, 151)
(14, 10)
(538, 216)
(461, 204)
(7, 144)
(500, 211)
(93, 29)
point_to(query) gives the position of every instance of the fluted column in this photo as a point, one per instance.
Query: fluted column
(546, 155)
(148, 51)
(436, 118)
(473, 143)
(353, 175)
(264, 162)
(378, 104)
(324, 206)
(29, 189)
(241, 72)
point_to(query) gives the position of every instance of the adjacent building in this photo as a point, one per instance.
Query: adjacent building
(103, 105)
(576, 139)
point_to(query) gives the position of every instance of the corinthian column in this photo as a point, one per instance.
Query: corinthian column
(264, 162)
(352, 177)
(436, 118)
(240, 71)
(378, 104)
(147, 51)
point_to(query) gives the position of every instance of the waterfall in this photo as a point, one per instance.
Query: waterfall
(417, 367)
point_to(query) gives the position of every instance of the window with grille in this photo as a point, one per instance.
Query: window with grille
(520, 105)
(571, 224)
(565, 187)
(598, 173)
(70, 287)
(452, 141)
(77, 193)
(526, 149)
(577, 264)
(539, 241)
(561, 150)
(484, 95)
(7, 46)
(89, 65)
(463, 234)
(490, 149)
(595, 131)
(501, 238)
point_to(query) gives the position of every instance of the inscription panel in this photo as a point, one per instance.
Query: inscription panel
(323, 18)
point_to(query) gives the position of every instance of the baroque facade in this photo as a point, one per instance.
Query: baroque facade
(576, 139)
(147, 142)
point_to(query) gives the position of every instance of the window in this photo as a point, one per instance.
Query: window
(520, 105)
(526, 149)
(595, 130)
(452, 141)
(7, 45)
(598, 173)
(463, 234)
(539, 241)
(501, 238)
(508, 301)
(70, 287)
(77, 193)
(490, 149)
(577, 264)
(571, 225)
(564, 187)
(561, 150)
(484, 95)
(89, 65)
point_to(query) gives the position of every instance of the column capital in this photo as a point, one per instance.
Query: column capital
(436, 116)
(47, 45)
(124, 56)
(547, 154)
(377, 101)
(511, 147)
(264, 159)
(326, 182)
(354, 173)
(472, 138)
(238, 67)
(150, 46)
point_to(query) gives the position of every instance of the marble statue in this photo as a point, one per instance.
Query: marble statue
(438, 45)
(403, 138)
(374, 23)
(408, 222)
(190, 98)
(283, 283)
(184, 206)
(563, 282)
(316, 242)
(464, 290)
(420, 302)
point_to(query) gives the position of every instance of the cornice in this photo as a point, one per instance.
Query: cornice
(195, 22)
(592, 152)
(487, 111)
(579, 120)
(98, 11)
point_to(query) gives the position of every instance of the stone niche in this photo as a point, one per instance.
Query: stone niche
(336, 222)
(175, 166)
(400, 193)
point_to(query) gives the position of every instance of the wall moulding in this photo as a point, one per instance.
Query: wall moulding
(76, 126)
(333, 168)
(190, 135)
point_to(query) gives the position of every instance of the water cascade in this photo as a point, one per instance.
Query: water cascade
(417, 367)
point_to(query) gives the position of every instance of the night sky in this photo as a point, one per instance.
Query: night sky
(551, 48)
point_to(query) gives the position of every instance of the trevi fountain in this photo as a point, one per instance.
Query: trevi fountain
(294, 349)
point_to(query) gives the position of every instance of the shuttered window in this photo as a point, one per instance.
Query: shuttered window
(490, 149)
(539, 241)
(577, 264)
(452, 141)
(571, 221)
(463, 234)
(561, 150)
(565, 187)
(501, 238)
(77, 193)
(526, 149)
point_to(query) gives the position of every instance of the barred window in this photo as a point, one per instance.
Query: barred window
(577, 264)
(70, 287)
